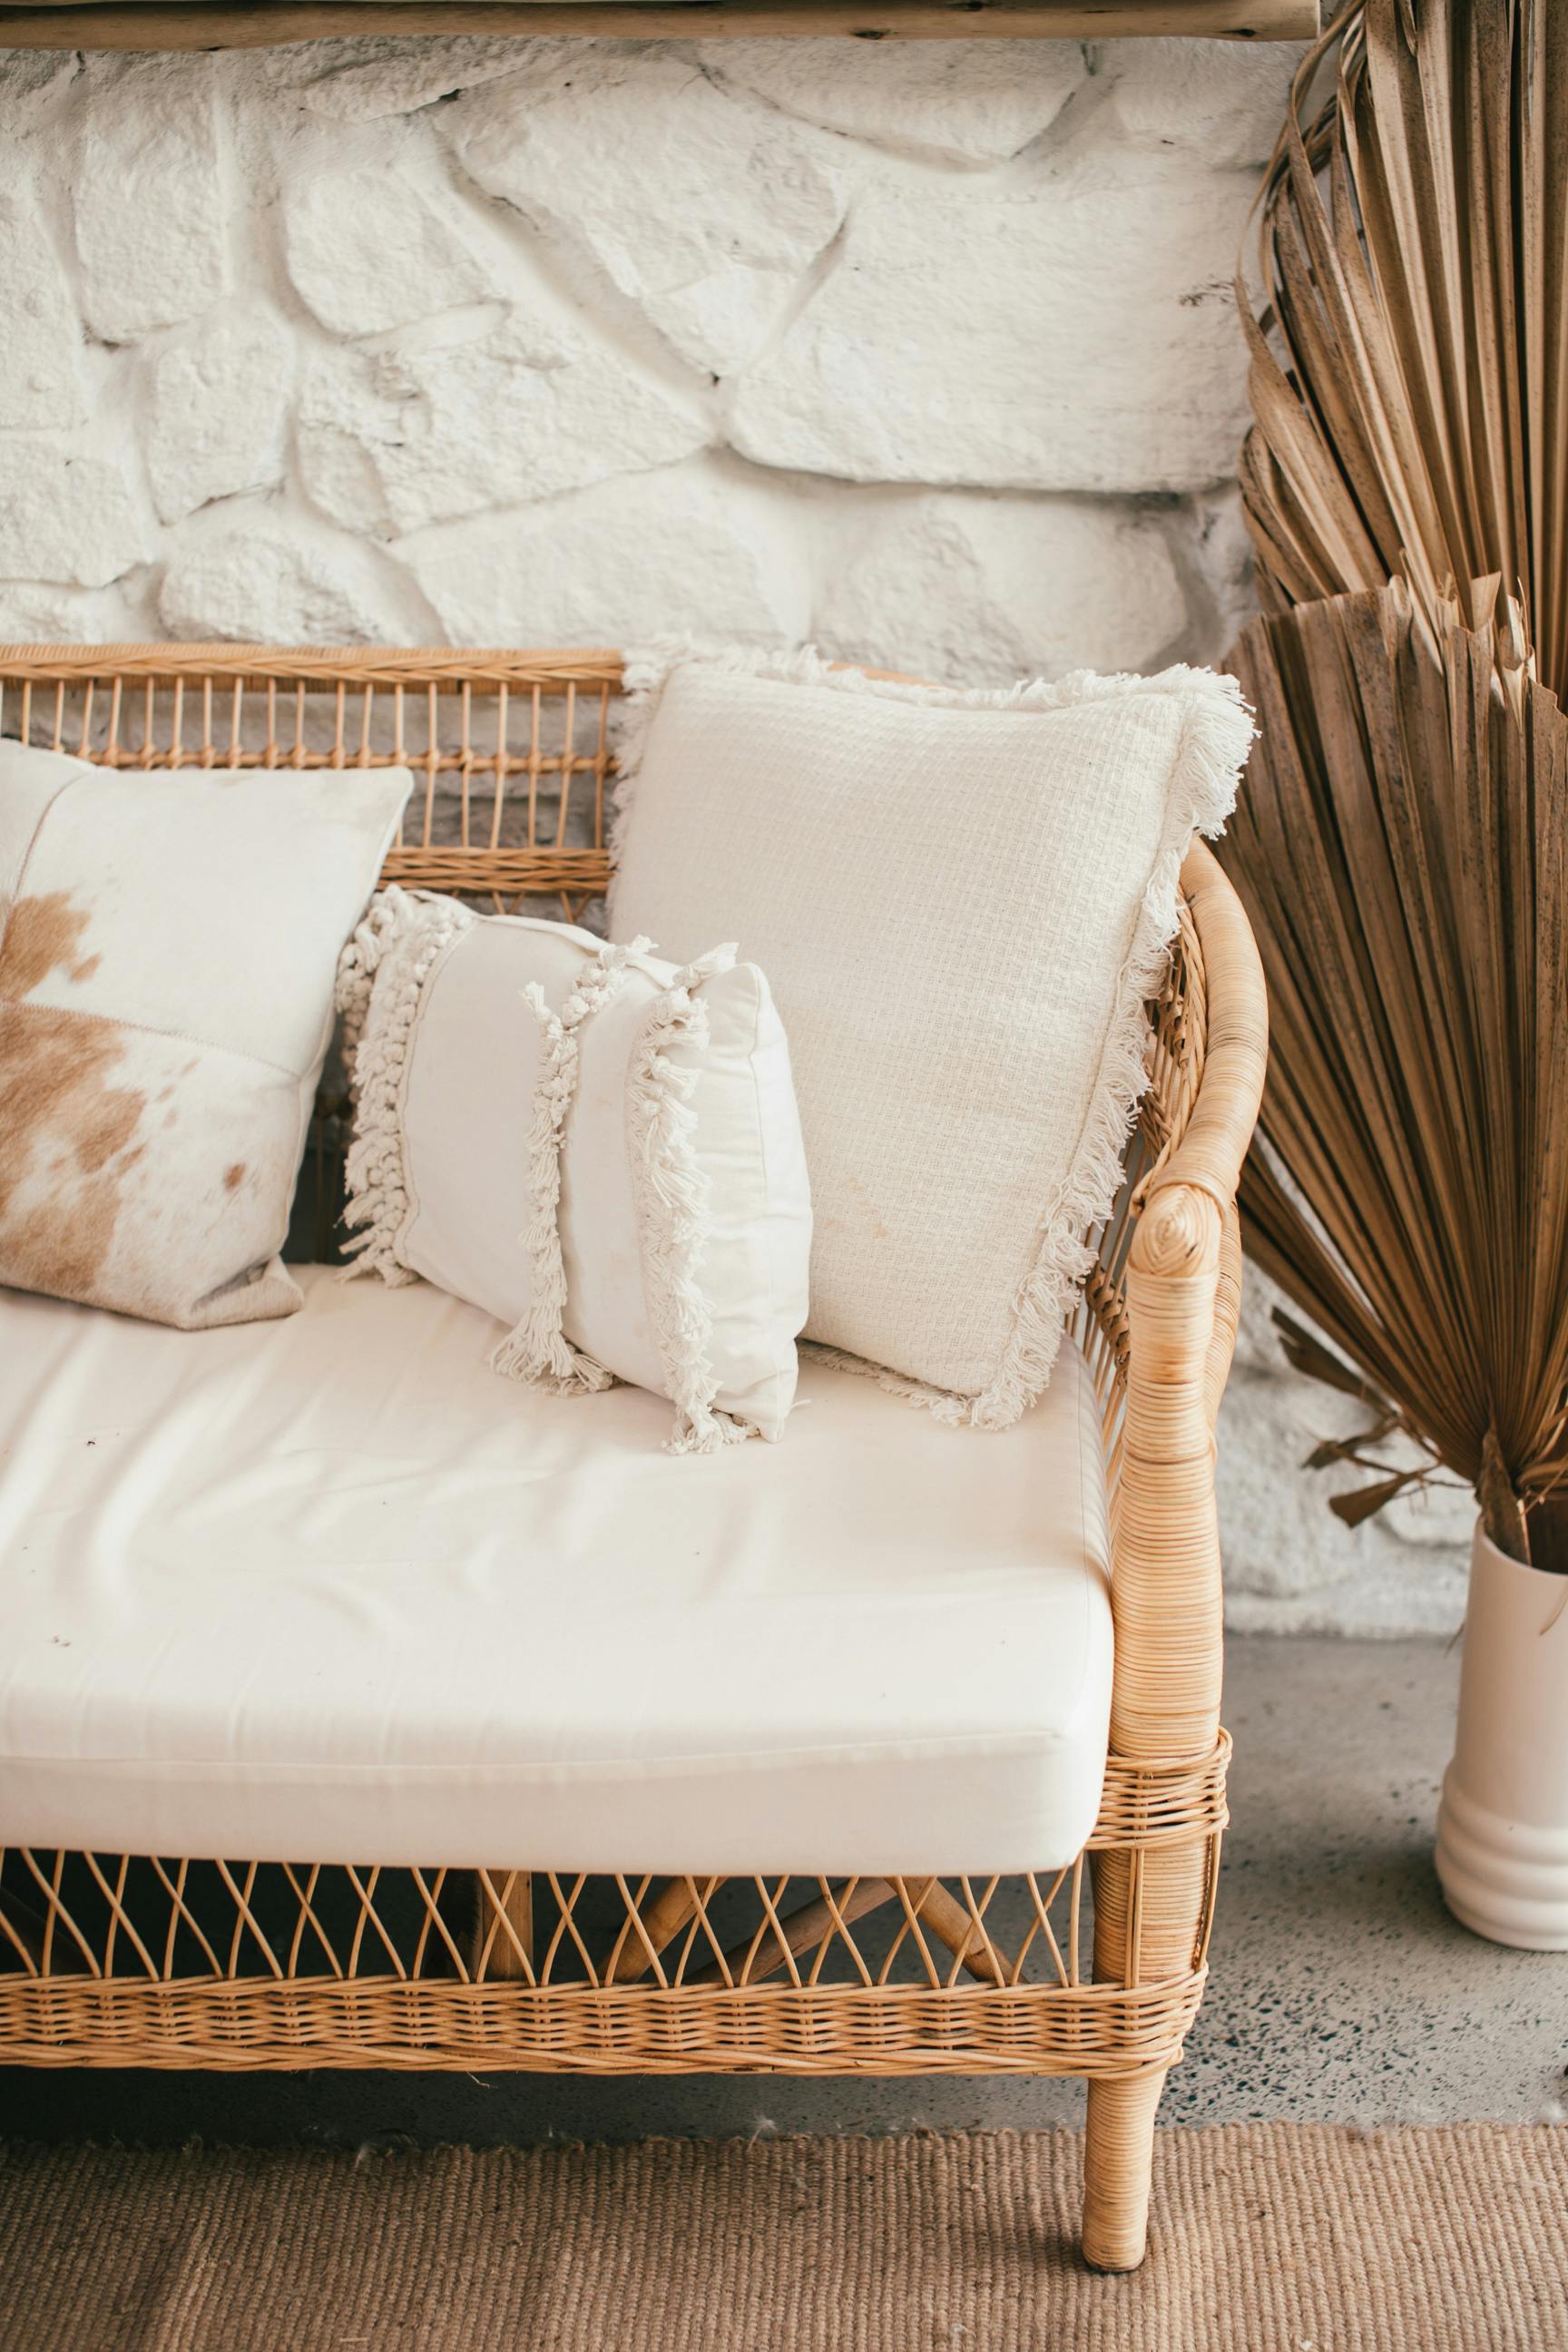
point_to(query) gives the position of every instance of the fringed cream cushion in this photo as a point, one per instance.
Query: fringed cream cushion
(168, 941)
(597, 1147)
(962, 902)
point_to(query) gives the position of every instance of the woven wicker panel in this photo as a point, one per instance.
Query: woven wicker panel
(510, 752)
(253, 1964)
(1099, 2032)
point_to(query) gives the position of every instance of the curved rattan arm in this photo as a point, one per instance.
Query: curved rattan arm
(1183, 1288)
(1152, 1903)
(1217, 1134)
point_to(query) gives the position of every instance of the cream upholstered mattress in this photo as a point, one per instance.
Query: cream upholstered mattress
(327, 1589)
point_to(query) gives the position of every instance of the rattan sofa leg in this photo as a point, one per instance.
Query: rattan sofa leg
(1119, 2152)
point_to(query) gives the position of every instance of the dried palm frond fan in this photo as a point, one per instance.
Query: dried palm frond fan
(1402, 844)
(1409, 379)
(1402, 849)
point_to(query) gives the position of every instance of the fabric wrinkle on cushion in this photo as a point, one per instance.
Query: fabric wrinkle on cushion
(324, 1589)
(962, 902)
(167, 955)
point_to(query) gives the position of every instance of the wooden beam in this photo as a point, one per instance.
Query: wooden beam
(276, 24)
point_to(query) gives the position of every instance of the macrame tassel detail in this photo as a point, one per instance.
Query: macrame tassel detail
(357, 968)
(672, 1200)
(382, 975)
(536, 1350)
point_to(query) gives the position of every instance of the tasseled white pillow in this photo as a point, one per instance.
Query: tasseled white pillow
(600, 1149)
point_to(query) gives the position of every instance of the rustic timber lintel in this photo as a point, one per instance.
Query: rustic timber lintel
(270, 23)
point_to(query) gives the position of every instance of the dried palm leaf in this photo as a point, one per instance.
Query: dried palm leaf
(1402, 848)
(1410, 363)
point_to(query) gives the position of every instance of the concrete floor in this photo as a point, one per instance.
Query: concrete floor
(1341, 1991)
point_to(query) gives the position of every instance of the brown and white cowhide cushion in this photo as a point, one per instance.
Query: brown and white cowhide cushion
(168, 943)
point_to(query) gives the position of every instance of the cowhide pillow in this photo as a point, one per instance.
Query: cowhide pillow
(168, 943)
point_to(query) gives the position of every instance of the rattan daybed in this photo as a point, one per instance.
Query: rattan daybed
(607, 1796)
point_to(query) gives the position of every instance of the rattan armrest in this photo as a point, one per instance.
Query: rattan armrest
(1183, 1293)
(1154, 1903)
(1209, 1155)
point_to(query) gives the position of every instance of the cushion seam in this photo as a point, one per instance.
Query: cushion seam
(967, 1745)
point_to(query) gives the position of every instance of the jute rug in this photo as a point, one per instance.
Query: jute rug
(1269, 2238)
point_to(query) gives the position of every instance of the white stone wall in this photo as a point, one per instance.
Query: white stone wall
(926, 350)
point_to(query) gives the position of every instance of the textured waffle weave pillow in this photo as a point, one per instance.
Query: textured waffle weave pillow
(168, 943)
(962, 902)
(596, 1147)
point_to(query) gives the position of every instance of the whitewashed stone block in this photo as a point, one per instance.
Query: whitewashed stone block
(40, 346)
(367, 80)
(1291, 1565)
(64, 518)
(217, 411)
(1218, 101)
(1076, 335)
(703, 211)
(35, 85)
(964, 102)
(34, 615)
(375, 245)
(392, 442)
(982, 591)
(151, 215)
(271, 582)
(693, 544)
(1223, 548)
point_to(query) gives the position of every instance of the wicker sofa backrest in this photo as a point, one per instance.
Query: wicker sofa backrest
(509, 750)
(513, 771)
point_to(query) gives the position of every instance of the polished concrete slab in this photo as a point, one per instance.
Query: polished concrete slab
(1340, 1990)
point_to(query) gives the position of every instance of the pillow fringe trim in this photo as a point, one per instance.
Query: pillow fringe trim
(940, 1403)
(672, 1194)
(536, 1350)
(647, 669)
(399, 942)
(1217, 734)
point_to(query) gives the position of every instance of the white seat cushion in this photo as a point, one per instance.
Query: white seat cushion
(326, 1589)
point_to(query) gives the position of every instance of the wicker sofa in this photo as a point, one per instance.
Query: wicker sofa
(676, 1954)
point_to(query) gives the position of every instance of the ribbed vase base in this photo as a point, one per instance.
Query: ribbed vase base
(1502, 1880)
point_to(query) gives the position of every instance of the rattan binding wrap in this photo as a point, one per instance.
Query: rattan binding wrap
(114, 1960)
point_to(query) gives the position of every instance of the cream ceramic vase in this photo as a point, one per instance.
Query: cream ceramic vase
(1502, 1822)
